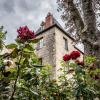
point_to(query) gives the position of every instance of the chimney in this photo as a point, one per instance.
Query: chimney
(48, 20)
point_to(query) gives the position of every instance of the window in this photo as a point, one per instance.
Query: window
(65, 43)
(40, 61)
(41, 43)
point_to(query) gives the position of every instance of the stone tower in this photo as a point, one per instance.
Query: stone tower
(54, 43)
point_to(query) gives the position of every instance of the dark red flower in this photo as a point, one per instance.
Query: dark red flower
(24, 33)
(79, 62)
(66, 57)
(75, 54)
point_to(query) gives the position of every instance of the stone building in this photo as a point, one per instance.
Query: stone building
(54, 43)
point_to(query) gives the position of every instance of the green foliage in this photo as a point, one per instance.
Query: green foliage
(89, 59)
(27, 79)
(85, 79)
(11, 46)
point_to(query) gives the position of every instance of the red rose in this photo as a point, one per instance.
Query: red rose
(24, 33)
(75, 54)
(79, 62)
(66, 57)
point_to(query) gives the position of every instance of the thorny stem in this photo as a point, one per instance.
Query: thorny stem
(18, 70)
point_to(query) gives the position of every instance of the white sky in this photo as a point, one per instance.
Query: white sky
(15, 13)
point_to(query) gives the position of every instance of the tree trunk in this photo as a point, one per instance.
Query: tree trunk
(91, 37)
(86, 26)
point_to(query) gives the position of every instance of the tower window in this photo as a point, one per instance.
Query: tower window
(65, 43)
(41, 43)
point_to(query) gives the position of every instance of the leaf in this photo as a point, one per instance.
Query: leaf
(13, 69)
(35, 93)
(29, 47)
(11, 46)
(18, 41)
(78, 70)
(33, 40)
(27, 77)
(26, 62)
(14, 53)
(26, 50)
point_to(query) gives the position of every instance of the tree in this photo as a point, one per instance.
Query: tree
(80, 16)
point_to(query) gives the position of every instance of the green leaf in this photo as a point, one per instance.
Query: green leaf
(29, 47)
(11, 46)
(78, 70)
(26, 50)
(26, 62)
(89, 59)
(27, 76)
(14, 53)
(34, 93)
(33, 40)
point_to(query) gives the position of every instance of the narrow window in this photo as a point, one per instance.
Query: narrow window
(65, 44)
(40, 61)
(41, 43)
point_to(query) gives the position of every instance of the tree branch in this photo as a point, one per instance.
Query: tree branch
(95, 44)
(89, 15)
(75, 16)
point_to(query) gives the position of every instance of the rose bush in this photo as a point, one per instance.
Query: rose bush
(85, 76)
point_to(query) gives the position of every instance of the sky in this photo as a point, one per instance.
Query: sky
(16, 13)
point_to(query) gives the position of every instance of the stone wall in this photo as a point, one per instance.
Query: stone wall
(47, 53)
(53, 49)
(60, 49)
